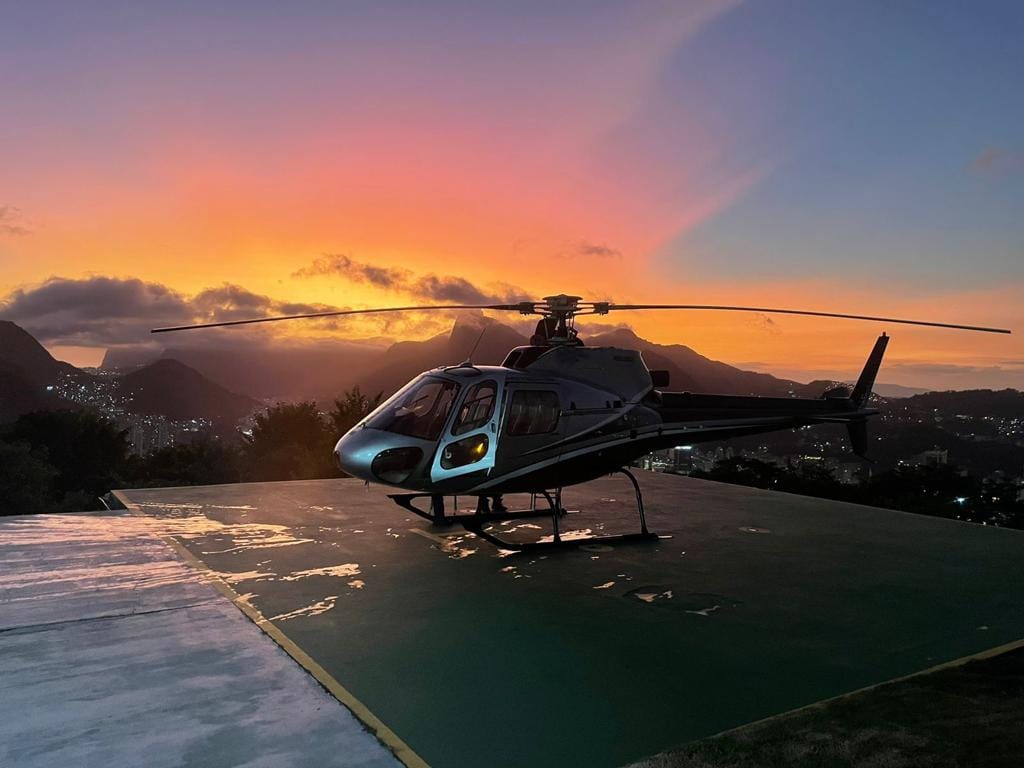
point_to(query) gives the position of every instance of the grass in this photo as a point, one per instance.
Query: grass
(970, 716)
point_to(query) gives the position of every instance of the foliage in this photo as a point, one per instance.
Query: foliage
(26, 480)
(351, 409)
(86, 452)
(203, 462)
(54, 461)
(294, 441)
(289, 441)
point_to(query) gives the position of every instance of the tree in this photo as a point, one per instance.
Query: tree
(289, 441)
(26, 480)
(201, 462)
(87, 450)
(352, 408)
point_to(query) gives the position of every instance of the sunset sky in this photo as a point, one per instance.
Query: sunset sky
(180, 161)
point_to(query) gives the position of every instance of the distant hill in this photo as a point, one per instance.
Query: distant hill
(26, 370)
(172, 389)
(285, 371)
(324, 370)
(19, 395)
(1004, 403)
(896, 391)
(406, 359)
(19, 351)
(691, 371)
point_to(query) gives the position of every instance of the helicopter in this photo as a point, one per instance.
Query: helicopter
(557, 413)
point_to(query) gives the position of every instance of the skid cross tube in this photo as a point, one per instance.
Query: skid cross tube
(437, 514)
(475, 525)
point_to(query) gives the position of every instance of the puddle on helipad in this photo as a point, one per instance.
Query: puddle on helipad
(455, 546)
(341, 571)
(650, 594)
(321, 606)
(232, 577)
(580, 533)
(695, 603)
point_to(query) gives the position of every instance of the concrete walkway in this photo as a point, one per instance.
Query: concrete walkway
(113, 652)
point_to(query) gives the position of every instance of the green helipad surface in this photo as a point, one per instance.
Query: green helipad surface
(758, 603)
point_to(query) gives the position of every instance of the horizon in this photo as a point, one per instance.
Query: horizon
(147, 357)
(172, 165)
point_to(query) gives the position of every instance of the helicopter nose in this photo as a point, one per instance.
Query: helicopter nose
(378, 456)
(354, 453)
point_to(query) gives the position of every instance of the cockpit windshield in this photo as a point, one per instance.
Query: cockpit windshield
(420, 411)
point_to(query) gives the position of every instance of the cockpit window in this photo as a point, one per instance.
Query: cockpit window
(419, 412)
(476, 408)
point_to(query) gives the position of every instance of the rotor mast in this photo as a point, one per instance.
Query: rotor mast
(561, 309)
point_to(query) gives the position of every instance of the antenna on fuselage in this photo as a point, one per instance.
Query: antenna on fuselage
(469, 357)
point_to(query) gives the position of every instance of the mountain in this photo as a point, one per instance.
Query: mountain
(406, 359)
(172, 389)
(19, 395)
(980, 403)
(289, 371)
(20, 351)
(26, 370)
(323, 370)
(690, 371)
(896, 391)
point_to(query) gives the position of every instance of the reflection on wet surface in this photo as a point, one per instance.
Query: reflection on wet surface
(189, 524)
(341, 571)
(579, 533)
(454, 546)
(232, 577)
(649, 594)
(320, 606)
(695, 603)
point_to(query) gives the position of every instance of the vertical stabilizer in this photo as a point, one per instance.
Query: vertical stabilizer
(862, 390)
(858, 431)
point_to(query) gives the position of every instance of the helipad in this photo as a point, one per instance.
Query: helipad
(758, 603)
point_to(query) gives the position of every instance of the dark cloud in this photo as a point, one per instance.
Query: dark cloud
(440, 288)
(108, 311)
(13, 222)
(997, 161)
(596, 250)
(346, 266)
(458, 290)
(233, 302)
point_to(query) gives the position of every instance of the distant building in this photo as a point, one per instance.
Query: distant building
(936, 457)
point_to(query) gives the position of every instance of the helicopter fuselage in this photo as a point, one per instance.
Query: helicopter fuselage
(569, 415)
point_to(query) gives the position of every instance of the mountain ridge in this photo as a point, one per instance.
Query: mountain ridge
(169, 388)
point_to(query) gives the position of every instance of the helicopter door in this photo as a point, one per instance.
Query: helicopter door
(471, 443)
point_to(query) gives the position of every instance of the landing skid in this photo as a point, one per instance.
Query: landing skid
(484, 512)
(474, 523)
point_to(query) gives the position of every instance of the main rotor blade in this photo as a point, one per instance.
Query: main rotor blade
(339, 312)
(810, 313)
